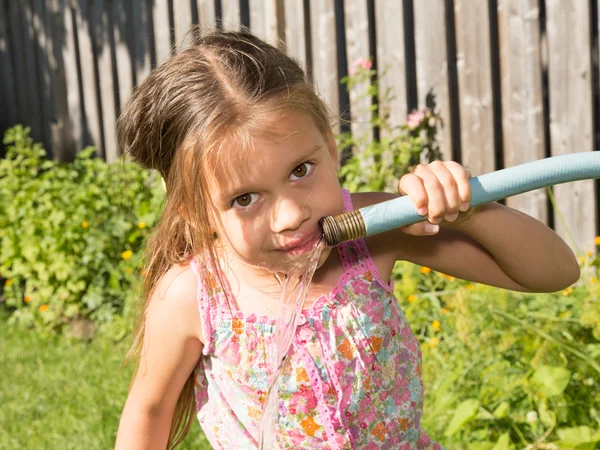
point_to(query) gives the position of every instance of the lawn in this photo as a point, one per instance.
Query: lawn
(58, 393)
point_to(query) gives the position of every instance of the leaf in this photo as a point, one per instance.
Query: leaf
(578, 437)
(465, 412)
(502, 443)
(551, 380)
(501, 410)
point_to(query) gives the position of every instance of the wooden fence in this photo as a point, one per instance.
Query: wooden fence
(515, 80)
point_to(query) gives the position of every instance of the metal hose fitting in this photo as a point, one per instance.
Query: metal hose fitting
(343, 227)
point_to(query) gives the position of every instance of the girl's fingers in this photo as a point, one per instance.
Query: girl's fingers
(411, 185)
(461, 176)
(436, 184)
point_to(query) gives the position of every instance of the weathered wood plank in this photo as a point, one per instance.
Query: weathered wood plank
(91, 126)
(522, 102)
(14, 19)
(432, 64)
(391, 58)
(107, 85)
(231, 19)
(207, 14)
(162, 30)
(473, 62)
(62, 129)
(324, 54)
(265, 20)
(123, 50)
(295, 31)
(571, 114)
(31, 72)
(8, 112)
(141, 39)
(69, 101)
(182, 14)
(357, 49)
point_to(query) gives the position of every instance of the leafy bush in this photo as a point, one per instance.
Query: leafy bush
(71, 236)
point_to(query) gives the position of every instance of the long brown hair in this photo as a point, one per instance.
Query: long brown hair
(224, 86)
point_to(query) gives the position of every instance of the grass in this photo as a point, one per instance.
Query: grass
(57, 393)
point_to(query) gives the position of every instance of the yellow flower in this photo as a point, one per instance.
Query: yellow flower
(470, 286)
(43, 308)
(436, 325)
(85, 224)
(425, 270)
(127, 254)
(594, 280)
(589, 253)
(142, 225)
(411, 298)
(567, 291)
(8, 282)
(27, 299)
(582, 260)
(433, 342)
(597, 240)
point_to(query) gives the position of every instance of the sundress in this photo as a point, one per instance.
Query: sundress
(352, 378)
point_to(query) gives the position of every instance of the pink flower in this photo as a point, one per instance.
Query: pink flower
(415, 118)
(360, 63)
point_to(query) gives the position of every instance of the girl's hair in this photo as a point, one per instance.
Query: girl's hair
(223, 88)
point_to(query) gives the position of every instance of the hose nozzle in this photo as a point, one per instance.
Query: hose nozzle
(343, 227)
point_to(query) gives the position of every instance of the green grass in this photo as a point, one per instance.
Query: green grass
(57, 393)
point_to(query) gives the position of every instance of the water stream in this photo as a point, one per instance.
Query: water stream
(294, 289)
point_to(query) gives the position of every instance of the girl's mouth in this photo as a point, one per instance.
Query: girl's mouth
(301, 246)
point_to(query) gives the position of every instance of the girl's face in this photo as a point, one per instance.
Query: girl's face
(269, 202)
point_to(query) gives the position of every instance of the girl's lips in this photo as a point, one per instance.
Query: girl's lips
(301, 246)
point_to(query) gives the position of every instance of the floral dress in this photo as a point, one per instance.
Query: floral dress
(352, 378)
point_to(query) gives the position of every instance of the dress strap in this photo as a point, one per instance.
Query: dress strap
(207, 304)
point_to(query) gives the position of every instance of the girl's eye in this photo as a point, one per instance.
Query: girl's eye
(245, 200)
(302, 170)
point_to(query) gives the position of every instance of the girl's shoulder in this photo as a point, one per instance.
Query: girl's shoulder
(177, 290)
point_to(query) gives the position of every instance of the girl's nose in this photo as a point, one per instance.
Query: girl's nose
(289, 214)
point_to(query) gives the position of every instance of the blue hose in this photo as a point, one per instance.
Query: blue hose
(491, 187)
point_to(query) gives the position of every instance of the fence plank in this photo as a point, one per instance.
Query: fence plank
(123, 50)
(67, 81)
(92, 127)
(207, 14)
(522, 102)
(182, 15)
(432, 65)
(324, 54)
(8, 113)
(31, 71)
(231, 19)
(265, 20)
(295, 31)
(107, 86)
(18, 53)
(473, 62)
(141, 39)
(571, 114)
(162, 30)
(357, 49)
(391, 62)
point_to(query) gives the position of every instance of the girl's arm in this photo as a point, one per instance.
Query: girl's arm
(171, 350)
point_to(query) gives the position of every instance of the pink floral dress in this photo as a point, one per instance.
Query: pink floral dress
(352, 378)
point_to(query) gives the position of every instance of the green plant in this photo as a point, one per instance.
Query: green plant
(377, 164)
(72, 235)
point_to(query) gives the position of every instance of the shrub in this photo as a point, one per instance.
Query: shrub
(72, 235)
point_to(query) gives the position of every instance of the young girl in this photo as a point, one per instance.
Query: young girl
(246, 149)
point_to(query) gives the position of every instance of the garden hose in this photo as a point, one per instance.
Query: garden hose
(485, 188)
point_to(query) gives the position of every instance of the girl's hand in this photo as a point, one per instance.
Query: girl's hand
(441, 191)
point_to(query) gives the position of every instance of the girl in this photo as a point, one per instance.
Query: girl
(246, 149)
